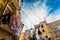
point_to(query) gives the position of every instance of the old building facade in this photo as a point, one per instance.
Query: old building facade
(50, 31)
(25, 35)
(12, 6)
(55, 29)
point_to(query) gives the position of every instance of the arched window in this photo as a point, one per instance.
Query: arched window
(46, 36)
(41, 25)
(43, 30)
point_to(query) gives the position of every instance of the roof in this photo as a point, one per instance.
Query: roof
(55, 22)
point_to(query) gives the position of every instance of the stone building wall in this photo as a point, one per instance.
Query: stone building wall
(50, 29)
(55, 32)
(4, 35)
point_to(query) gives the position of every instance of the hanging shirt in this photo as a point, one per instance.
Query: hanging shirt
(15, 29)
(15, 18)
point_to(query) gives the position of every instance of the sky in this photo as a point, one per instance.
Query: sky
(35, 11)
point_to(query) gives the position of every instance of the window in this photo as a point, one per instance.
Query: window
(39, 32)
(41, 25)
(21, 0)
(43, 39)
(46, 36)
(58, 27)
(43, 30)
(49, 38)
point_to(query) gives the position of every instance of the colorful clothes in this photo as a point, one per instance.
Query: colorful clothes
(14, 25)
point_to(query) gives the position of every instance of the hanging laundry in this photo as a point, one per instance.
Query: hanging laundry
(13, 24)
(15, 29)
(16, 19)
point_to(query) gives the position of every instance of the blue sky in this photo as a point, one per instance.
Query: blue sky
(35, 11)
